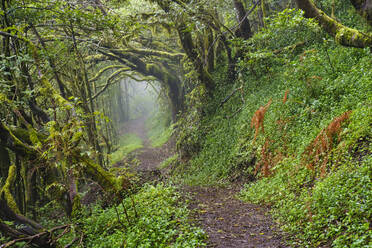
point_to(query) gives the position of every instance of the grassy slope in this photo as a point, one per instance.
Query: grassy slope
(158, 129)
(324, 80)
(127, 143)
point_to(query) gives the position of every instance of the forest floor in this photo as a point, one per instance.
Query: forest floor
(229, 222)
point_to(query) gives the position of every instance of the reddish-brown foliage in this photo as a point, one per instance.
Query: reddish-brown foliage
(285, 96)
(318, 150)
(264, 163)
(268, 159)
(258, 119)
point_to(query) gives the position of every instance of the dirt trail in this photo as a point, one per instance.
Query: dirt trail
(229, 223)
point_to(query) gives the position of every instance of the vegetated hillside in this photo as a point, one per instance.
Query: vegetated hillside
(296, 126)
(275, 100)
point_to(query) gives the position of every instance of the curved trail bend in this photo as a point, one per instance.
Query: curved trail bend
(229, 222)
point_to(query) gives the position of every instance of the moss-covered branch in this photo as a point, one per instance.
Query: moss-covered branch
(104, 70)
(5, 193)
(16, 139)
(109, 79)
(151, 52)
(344, 35)
(104, 178)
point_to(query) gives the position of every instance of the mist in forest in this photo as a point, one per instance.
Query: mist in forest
(138, 99)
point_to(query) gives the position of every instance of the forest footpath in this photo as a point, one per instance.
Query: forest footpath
(229, 222)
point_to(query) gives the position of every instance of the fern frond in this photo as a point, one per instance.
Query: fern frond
(318, 150)
(258, 119)
(285, 96)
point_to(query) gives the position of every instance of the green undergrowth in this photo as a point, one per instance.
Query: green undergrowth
(159, 129)
(336, 210)
(168, 162)
(127, 143)
(323, 81)
(156, 217)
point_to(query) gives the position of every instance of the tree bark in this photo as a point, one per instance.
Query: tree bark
(187, 43)
(4, 162)
(244, 29)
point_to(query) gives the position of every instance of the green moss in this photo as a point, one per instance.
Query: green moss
(104, 178)
(5, 191)
(76, 206)
(104, 70)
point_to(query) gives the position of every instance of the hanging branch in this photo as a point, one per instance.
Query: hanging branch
(229, 96)
(109, 79)
(51, 63)
(95, 78)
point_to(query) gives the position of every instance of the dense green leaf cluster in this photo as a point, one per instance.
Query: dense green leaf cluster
(162, 221)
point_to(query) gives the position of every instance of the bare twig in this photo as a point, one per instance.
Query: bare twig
(229, 96)
(31, 238)
(72, 242)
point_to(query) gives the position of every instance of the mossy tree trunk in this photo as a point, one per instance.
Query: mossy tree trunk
(343, 35)
(185, 36)
(244, 29)
(9, 211)
(4, 161)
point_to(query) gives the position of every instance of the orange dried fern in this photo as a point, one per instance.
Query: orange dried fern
(264, 164)
(318, 150)
(285, 96)
(268, 159)
(258, 119)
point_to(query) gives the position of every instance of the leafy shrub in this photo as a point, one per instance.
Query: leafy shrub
(341, 208)
(158, 218)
